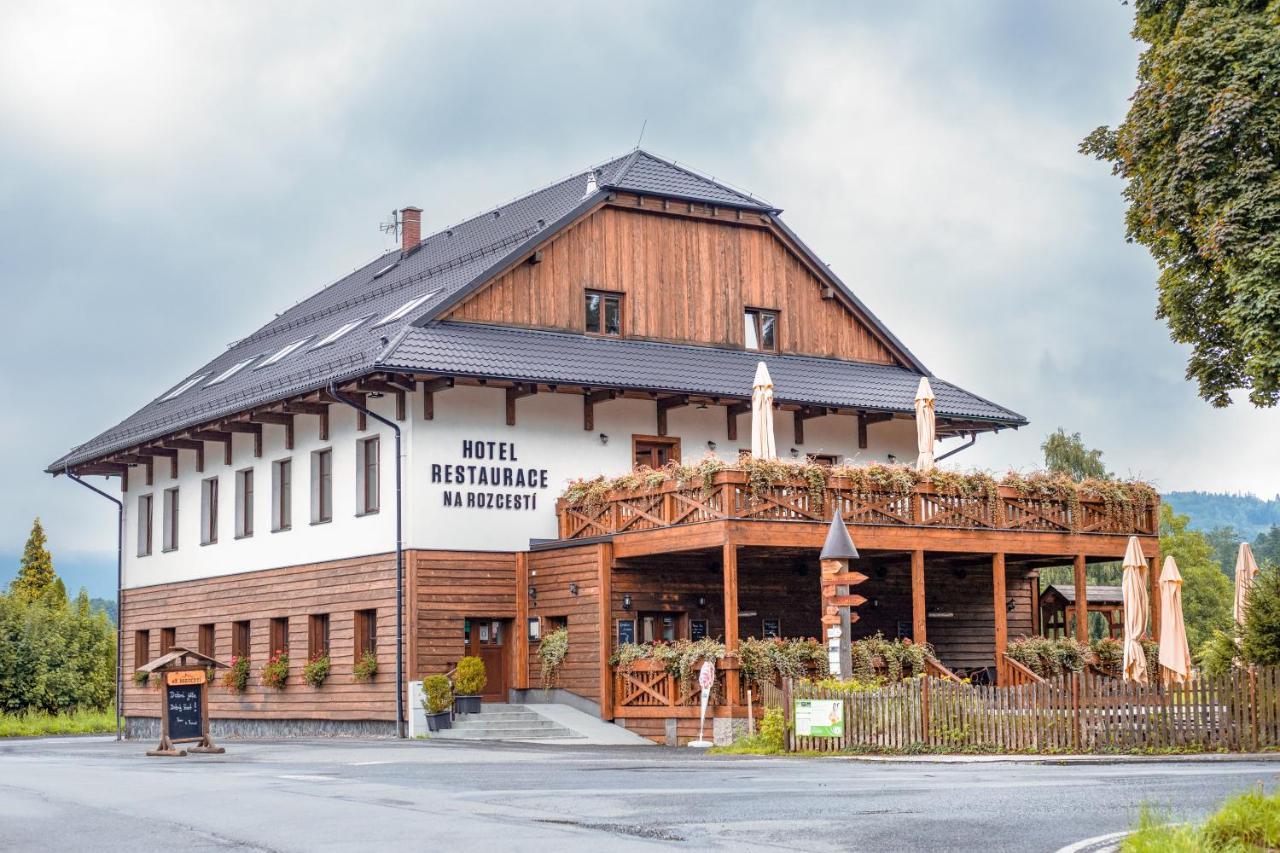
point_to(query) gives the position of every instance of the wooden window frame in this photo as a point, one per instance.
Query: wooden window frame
(241, 638)
(366, 632)
(605, 295)
(244, 503)
(369, 467)
(279, 636)
(317, 635)
(670, 441)
(209, 511)
(141, 647)
(207, 643)
(168, 639)
(282, 495)
(755, 315)
(146, 524)
(170, 509)
(322, 486)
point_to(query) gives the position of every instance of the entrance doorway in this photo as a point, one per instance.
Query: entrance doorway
(487, 639)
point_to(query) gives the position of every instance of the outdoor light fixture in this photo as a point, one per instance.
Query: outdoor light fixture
(892, 459)
(702, 601)
(794, 453)
(573, 588)
(701, 406)
(604, 439)
(875, 602)
(711, 445)
(1010, 605)
(533, 593)
(626, 601)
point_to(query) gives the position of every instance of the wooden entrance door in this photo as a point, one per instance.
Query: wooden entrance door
(487, 639)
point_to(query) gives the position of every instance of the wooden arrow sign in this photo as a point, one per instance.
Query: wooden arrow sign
(835, 620)
(847, 579)
(847, 600)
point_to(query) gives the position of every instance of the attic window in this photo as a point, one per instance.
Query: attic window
(184, 387)
(229, 372)
(388, 268)
(404, 309)
(282, 353)
(340, 332)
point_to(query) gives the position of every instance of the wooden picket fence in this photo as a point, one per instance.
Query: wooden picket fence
(1082, 712)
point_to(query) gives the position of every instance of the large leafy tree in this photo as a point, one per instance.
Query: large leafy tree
(35, 572)
(1200, 153)
(1068, 454)
(1206, 591)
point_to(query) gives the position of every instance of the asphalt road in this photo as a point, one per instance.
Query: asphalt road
(94, 794)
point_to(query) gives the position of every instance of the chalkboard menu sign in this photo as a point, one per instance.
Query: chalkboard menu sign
(626, 631)
(697, 629)
(182, 707)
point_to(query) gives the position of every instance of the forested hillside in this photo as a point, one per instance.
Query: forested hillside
(1248, 515)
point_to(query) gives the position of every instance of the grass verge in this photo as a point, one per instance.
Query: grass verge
(76, 722)
(1246, 822)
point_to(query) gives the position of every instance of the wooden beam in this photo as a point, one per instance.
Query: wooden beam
(604, 568)
(521, 680)
(801, 415)
(429, 389)
(918, 611)
(248, 428)
(665, 405)
(401, 413)
(862, 430)
(515, 392)
(998, 598)
(305, 407)
(589, 401)
(215, 435)
(731, 416)
(1082, 600)
(279, 419)
(730, 566)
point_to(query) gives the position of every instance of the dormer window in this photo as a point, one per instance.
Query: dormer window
(761, 330)
(604, 313)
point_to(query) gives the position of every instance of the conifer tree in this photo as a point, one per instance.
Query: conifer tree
(35, 572)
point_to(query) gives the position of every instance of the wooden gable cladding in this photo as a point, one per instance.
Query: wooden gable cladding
(686, 277)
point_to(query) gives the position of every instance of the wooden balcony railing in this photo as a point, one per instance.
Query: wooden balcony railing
(645, 688)
(1011, 673)
(729, 496)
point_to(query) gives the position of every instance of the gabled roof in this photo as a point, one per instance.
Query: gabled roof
(443, 270)
(1093, 594)
(531, 355)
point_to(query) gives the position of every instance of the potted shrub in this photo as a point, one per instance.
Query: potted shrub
(366, 667)
(275, 671)
(236, 678)
(437, 699)
(468, 684)
(316, 670)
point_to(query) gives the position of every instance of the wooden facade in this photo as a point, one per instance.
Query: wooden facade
(685, 279)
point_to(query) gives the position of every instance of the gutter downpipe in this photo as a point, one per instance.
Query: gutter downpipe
(335, 394)
(119, 594)
(973, 439)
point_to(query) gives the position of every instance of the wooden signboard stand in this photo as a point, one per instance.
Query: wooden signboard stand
(837, 604)
(184, 703)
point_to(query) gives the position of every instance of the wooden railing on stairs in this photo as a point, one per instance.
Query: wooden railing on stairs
(1010, 673)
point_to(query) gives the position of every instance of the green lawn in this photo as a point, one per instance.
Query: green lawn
(78, 722)
(1246, 822)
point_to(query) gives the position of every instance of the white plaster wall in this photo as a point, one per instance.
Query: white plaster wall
(347, 535)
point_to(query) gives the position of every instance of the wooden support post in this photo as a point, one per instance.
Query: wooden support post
(429, 389)
(1082, 602)
(1153, 584)
(521, 644)
(918, 630)
(400, 405)
(798, 428)
(515, 392)
(665, 405)
(730, 551)
(589, 401)
(1002, 615)
(605, 569)
(731, 415)
(862, 430)
(323, 429)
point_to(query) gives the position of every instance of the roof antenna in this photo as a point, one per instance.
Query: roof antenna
(643, 125)
(391, 226)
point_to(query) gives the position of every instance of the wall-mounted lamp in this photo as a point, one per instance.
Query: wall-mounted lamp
(604, 439)
(702, 406)
(875, 602)
(573, 588)
(702, 601)
(626, 601)
(892, 459)
(1010, 605)
(711, 445)
(375, 395)
(794, 453)
(533, 593)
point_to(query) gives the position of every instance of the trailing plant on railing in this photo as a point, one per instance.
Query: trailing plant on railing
(236, 678)
(1049, 657)
(681, 659)
(1108, 655)
(875, 657)
(844, 685)
(765, 661)
(366, 667)
(316, 670)
(275, 671)
(551, 652)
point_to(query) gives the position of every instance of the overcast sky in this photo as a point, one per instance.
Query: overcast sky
(173, 174)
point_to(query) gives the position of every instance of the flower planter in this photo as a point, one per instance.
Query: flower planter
(466, 704)
(439, 722)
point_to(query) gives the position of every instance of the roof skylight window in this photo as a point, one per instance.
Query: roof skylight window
(388, 268)
(404, 309)
(340, 332)
(282, 353)
(229, 372)
(184, 387)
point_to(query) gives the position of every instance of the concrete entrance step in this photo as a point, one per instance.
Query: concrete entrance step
(502, 722)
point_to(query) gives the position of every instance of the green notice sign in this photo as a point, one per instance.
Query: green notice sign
(820, 717)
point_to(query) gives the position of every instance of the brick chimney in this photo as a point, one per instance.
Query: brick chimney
(410, 228)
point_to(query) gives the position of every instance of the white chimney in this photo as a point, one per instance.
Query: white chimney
(591, 184)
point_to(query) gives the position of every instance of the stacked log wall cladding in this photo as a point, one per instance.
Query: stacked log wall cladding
(448, 587)
(551, 573)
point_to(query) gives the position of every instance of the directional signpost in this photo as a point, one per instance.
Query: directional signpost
(837, 603)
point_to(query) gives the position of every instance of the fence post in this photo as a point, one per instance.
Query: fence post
(924, 708)
(1075, 712)
(788, 724)
(1253, 705)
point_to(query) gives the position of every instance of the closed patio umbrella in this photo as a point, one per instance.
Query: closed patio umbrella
(762, 444)
(1246, 570)
(1175, 656)
(926, 430)
(1133, 592)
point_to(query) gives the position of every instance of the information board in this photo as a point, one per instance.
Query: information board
(820, 717)
(182, 706)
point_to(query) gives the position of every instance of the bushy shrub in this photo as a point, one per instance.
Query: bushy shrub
(437, 694)
(773, 729)
(316, 670)
(1218, 654)
(470, 678)
(1261, 630)
(276, 671)
(366, 667)
(55, 655)
(1049, 657)
(768, 660)
(1108, 655)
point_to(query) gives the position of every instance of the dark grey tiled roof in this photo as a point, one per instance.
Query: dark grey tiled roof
(556, 357)
(1094, 594)
(444, 268)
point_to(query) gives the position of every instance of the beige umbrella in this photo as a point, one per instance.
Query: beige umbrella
(926, 432)
(762, 444)
(1175, 656)
(1246, 570)
(1133, 592)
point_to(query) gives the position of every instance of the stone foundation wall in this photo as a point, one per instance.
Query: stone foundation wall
(148, 728)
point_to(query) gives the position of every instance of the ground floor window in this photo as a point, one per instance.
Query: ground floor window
(240, 639)
(366, 637)
(141, 648)
(317, 635)
(279, 636)
(207, 640)
(168, 639)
